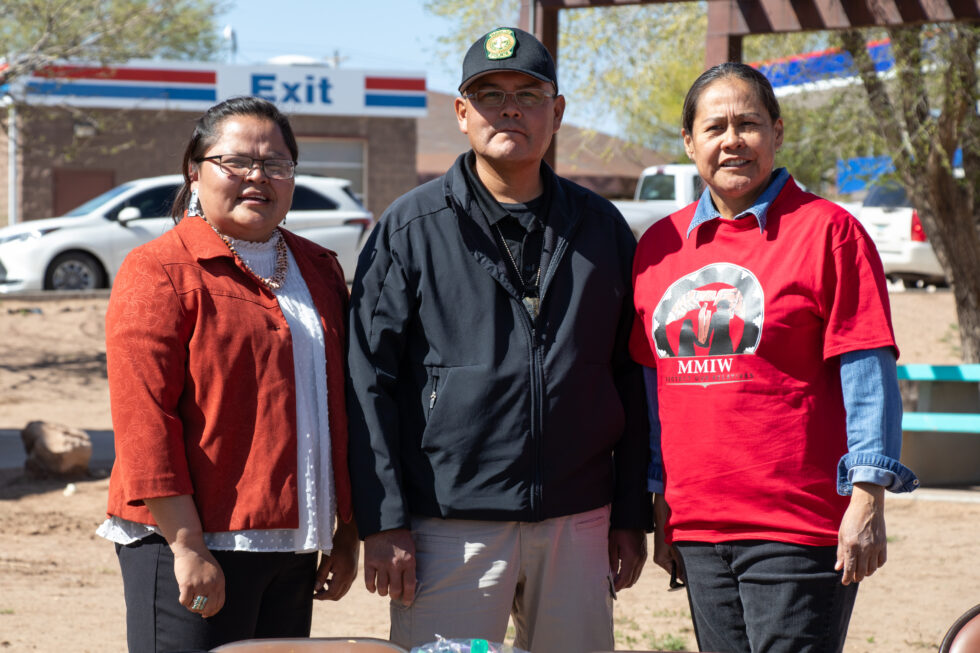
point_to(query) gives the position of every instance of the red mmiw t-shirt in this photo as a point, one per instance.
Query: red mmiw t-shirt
(744, 328)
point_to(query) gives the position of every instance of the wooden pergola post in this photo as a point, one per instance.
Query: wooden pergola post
(721, 45)
(543, 23)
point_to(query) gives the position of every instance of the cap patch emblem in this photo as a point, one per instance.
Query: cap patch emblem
(500, 44)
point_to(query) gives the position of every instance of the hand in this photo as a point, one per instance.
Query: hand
(389, 564)
(665, 555)
(196, 570)
(861, 542)
(336, 571)
(199, 574)
(627, 553)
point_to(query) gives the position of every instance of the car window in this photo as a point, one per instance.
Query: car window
(307, 199)
(97, 201)
(887, 194)
(657, 187)
(152, 203)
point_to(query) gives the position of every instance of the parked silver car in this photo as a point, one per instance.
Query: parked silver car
(83, 249)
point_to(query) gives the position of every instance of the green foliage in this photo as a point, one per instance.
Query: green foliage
(472, 19)
(37, 33)
(632, 62)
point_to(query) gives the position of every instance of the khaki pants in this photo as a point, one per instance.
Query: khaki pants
(553, 577)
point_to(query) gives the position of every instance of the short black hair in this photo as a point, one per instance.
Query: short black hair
(207, 131)
(755, 79)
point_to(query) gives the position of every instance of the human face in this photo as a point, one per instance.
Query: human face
(733, 143)
(509, 136)
(244, 207)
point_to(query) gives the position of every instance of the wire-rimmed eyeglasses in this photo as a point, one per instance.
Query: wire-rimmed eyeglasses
(491, 97)
(242, 166)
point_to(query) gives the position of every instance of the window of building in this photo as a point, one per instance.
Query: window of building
(334, 157)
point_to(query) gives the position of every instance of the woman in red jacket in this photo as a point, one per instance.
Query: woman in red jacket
(224, 343)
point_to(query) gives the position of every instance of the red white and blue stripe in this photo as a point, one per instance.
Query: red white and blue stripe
(399, 92)
(125, 83)
(822, 66)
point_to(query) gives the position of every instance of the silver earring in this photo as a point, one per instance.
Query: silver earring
(193, 205)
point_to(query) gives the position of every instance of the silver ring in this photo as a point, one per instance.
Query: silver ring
(199, 602)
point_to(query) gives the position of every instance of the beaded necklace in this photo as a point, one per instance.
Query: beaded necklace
(282, 260)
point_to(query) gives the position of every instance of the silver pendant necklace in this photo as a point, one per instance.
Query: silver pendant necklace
(531, 304)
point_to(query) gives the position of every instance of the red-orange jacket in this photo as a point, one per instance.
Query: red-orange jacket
(201, 381)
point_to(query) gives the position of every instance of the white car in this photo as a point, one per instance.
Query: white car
(83, 249)
(894, 226)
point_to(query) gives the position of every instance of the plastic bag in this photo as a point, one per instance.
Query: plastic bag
(443, 645)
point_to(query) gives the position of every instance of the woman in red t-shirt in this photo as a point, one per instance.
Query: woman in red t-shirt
(764, 326)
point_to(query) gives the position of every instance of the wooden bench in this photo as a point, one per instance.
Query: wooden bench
(942, 409)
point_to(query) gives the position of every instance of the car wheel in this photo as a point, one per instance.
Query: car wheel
(74, 271)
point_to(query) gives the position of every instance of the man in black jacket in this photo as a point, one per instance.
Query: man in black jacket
(498, 428)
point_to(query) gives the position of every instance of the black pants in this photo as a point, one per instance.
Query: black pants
(759, 596)
(266, 595)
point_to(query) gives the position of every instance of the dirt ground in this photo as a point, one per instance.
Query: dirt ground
(60, 588)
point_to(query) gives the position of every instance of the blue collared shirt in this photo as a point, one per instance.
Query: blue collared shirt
(706, 210)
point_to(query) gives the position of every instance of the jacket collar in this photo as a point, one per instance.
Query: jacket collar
(203, 244)
(200, 239)
(563, 217)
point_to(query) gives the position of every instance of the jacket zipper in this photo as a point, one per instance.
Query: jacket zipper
(435, 392)
(537, 401)
(537, 423)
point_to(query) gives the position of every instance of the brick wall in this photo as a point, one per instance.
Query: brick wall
(390, 152)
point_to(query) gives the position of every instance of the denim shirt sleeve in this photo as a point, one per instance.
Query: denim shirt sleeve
(655, 470)
(869, 380)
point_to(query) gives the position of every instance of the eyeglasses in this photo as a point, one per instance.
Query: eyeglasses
(528, 97)
(242, 166)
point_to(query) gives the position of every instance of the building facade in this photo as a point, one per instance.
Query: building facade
(73, 132)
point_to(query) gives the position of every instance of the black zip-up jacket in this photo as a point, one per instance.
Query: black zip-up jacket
(460, 405)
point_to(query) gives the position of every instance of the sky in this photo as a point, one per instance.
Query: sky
(377, 35)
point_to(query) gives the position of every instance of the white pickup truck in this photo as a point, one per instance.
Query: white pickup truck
(660, 191)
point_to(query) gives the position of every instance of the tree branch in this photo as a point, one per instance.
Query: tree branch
(878, 99)
(911, 89)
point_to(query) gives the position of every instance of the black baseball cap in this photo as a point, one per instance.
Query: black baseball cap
(508, 48)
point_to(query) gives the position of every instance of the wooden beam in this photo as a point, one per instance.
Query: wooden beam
(723, 43)
(766, 16)
(754, 16)
(807, 15)
(911, 11)
(524, 18)
(965, 9)
(546, 30)
(858, 13)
